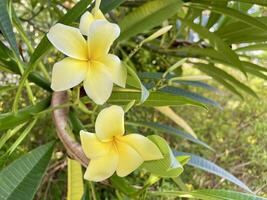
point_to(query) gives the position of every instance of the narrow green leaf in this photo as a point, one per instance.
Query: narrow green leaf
(208, 166)
(215, 72)
(123, 186)
(135, 82)
(147, 16)
(21, 137)
(253, 47)
(190, 95)
(154, 99)
(20, 180)
(10, 120)
(232, 13)
(6, 26)
(168, 130)
(6, 136)
(225, 51)
(108, 5)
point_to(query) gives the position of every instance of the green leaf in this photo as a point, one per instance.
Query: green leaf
(232, 13)
(123, 186)
(6, 26)
(225, 51)
(108, 5)
(259, 2)
(5, 137)
(20, 180)
(21, 137)
(134, 81)
(219, 74)
(190, 95)
(169, 130)
(123, 97)
(210, 194)
(208, 166)
(75, 180)
(147, 16)
(169, 166)
(253, 47)
(10, 120)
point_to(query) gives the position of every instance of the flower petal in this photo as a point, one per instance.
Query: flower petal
(103, 167)
(92, 147)
(115, 68)
(129, 159)
(68, 73)
(110, 123)
(86, 20)
(98, 85)
(69, 41)
(101, 35)
(145, 147)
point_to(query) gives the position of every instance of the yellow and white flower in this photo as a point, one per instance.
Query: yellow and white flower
(88, 61)
(109, 150)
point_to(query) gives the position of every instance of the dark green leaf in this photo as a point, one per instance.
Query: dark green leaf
(20, 180)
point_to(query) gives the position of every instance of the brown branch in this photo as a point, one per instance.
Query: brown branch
(60, 118)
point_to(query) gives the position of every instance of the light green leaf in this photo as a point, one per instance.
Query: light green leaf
(134, 81)
(208, 166)
(147, 16)
(169, 166)
(75, 180)
(20, 180)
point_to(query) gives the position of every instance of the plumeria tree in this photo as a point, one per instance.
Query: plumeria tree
(97, 66)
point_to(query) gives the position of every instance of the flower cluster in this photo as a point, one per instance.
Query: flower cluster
(108, 149)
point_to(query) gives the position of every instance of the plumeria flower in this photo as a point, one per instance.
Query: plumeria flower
(88, 61)
(109, 150)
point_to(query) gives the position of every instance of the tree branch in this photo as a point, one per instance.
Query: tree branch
(60, 118)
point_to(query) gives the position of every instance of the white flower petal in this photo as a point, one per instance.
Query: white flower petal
(97, 84)
(86, 20)
(68, 73)
(92, 146)
(69, 41)
(129, 159)
(102, 168)
(114, 66)
(101, 35)
(145, 147)
(110, 123)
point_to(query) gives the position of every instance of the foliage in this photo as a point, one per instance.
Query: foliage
(211, 41)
